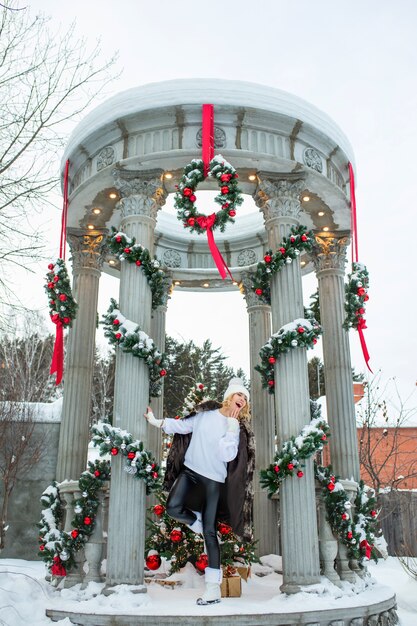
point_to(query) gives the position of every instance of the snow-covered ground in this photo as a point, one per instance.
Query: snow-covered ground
(24, 594)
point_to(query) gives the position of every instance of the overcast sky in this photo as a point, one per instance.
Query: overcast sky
(357, 62)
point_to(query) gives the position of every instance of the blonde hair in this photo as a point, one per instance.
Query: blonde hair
(244, 413)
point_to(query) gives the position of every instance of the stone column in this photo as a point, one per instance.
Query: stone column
(157, 404)
(87, 260)
(278, 197)
(265, 518)
(141, 197)
(329, 258)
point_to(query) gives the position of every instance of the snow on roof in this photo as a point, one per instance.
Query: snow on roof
(43, 411)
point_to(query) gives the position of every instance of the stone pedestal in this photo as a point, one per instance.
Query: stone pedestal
(330, 258)
(278, 196)
(141, 196)
(87, 259)
(265, 518)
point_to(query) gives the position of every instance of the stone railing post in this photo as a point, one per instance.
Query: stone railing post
(70, 491)
(279, 198)
(94, 547)
(327, 542)
(142, 195)
(329, 258)
(87, 259)
(263, 418)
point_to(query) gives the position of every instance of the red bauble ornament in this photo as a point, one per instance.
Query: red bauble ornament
(282, 250)
(193, 198)
(87, 521)
(187, 191)
(114, 451)
(118, 239)
(373, 513)
(258, 292)
(224, 529)
(271, 359)
(153, 560)
(330, 486)
(267, 258)
(361, 291)
(155, 475)
(131, 455)
(224, 190)
(300, 474)
(74, 534)
(51, 266)
(200, 386)
(276, 468)
(202, 562)
(225, 205)
(366, 297)
(158, 509)
(333, 479)
(324, 437)
(62, 297)
(349, 535)
(118, 335)
(361, 311)
(314, 340)
(271, 383)
(345, 516)
(163, 373)
(96, 473)
(66, 320)
(52, 302)
(42, 547)
(191, 221)
(56, 279)
(292, 239)
(301, 330)
(116, 322)
(290, 466)
(225, 178)
(138, 263)
(127, 250)
(175, 535)
(304, 238)
(232, 213)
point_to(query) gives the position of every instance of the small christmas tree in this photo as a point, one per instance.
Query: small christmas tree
(198, 393)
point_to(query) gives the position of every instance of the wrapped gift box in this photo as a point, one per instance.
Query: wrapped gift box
(231, 586)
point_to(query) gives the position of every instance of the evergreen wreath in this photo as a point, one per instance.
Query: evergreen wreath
(299, 240)
(62, 306)
(288, 460)
(57, 547)
(126, 249)
(301, 333)
(139, 462)
(356, 531)
(356, 292)
(229, 198)
(127, 336)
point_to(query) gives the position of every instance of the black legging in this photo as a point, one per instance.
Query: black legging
(176, 507)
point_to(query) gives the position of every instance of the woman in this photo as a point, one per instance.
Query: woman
(220, 447)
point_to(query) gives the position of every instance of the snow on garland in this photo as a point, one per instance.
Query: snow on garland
(127, 336)
(356, 292)
(229, 198)
(128, 250)
(62, 306)
(299, 240)
(139, 462)
(301, 333)
(357, 529)
(57, 547)
(288, 460)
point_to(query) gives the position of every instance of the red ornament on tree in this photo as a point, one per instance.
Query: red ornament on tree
(292, 239)
(200, 386)
(304, 238)
(116, 322)
(138, 263)
(323, 438)
(56, 279)
(118, 335)
(51, 266)
(345, 516)
(193, 198)
(267, 258)
(224, 190)
(118, 239)
(301, 330)
(131, 455)
(51, 285)
(153, 560)
(191, 221)
(202, 562)
(349, 535)
(300, 474)
(258, 292)
(74, 533)
(361, 291)
(224, 529)
(330, 486)
(163, 373)
(232, 213)
(126, 250)
(114, 451)
(225, 178)
(373, 513)
(271, 360)
(62, 297)
(276, 468)
(158, 509)
(282, 250)
(271, 383)
(187, 191)
(87, 521)
(290, 466)
(175, 535)
(96, 473)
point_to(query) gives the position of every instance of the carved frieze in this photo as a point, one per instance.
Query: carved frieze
(219, 138)
(171, 258)
(279, 197)
(246, 257)
(330, 253)
(105, 158)
(142, 192)
(313, 160)
(87, 250)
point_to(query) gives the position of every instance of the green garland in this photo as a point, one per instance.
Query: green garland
(299, 240)
(356, 531)
(301, 333)
(62, 305)
(356, 292)
(57, 547)
(127, 336)
(127, 250)
(229, 198)
(288, 461)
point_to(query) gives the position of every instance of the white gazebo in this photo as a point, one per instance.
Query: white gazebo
(126, 157)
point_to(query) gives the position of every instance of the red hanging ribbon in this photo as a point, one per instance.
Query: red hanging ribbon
(355, 256)
(367, 547)
(207, 223)
(207, 140)
(57, 364)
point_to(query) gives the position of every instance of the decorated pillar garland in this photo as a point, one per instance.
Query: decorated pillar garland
(127, 336)
(356, 290)
(127, 250)
(299, 240)
(301, 333)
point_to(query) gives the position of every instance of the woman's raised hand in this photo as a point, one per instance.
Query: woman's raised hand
(151, 419)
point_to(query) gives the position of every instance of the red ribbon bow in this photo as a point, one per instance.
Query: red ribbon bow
(207, 223)
(367, 547)
(57, 364)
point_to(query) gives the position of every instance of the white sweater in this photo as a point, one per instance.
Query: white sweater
(212, 445)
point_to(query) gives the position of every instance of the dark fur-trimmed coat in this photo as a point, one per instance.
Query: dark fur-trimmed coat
(236, 496)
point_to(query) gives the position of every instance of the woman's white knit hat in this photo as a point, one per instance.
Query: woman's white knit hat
(236, 386)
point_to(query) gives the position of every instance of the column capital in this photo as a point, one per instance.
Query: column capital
(87, 249)
(250, 296)
(329, 253)
(278, 195)
(142, 191)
